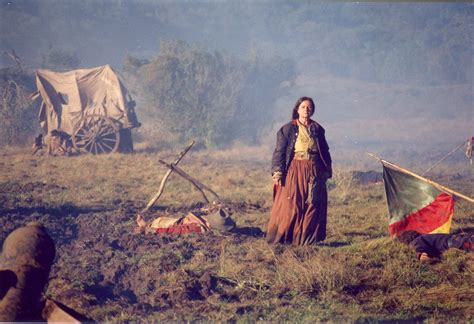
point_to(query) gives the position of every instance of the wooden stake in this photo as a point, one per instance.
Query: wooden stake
(435, 184)
(165, 178)
(199, 185)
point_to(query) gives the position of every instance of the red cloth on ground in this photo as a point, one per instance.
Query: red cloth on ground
(180, 229)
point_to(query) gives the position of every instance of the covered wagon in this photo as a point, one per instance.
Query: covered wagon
(90, 106)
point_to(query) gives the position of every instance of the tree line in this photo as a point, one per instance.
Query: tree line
(428, 43)
(192, 92)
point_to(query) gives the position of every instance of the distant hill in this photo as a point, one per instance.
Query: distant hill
(380, 42)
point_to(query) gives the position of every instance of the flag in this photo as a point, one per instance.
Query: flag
(414, 204)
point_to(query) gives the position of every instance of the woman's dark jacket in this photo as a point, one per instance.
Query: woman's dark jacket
(285, 147)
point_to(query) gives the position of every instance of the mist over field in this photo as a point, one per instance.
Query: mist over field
(389, 77)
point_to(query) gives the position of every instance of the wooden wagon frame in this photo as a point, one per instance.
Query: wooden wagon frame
(89, 106)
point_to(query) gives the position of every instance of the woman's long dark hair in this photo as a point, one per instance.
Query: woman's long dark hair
(298, 103)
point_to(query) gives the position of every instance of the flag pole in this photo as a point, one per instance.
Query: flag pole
(444, 157)
(435, 184)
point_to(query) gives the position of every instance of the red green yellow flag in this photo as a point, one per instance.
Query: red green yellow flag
(416, 205)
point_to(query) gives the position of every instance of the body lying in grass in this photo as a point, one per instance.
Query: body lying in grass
(432, 246)
(207, 219)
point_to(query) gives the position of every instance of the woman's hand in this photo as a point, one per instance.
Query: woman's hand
(424, 257)
(276, 177)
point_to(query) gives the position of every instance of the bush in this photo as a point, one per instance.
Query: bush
(17, 111)
(60, 60)
(212, 97)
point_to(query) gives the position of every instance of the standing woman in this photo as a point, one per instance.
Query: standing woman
(301, 165)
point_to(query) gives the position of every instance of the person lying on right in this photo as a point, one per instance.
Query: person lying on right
(432, 246)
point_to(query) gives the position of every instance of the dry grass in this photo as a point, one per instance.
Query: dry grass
(103, 270)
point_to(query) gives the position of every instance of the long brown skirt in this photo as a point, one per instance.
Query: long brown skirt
(299, 212)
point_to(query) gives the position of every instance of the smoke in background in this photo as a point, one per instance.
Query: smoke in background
(395, 75)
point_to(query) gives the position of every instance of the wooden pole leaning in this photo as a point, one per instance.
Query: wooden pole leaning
(165, 178)
(431, 182)
(445, 157)
(196, 183)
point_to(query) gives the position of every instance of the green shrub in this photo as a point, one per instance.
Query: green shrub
(18, 115)
(213, 97)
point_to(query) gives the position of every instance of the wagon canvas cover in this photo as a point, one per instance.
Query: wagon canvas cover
(68, 96)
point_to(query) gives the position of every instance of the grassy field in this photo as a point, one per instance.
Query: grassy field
(108, 273)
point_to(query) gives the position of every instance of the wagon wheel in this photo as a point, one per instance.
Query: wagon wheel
(96, 134)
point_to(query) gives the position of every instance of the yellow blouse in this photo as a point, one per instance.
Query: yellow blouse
(304, 142)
